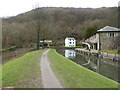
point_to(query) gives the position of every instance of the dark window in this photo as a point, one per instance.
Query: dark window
(111, 35)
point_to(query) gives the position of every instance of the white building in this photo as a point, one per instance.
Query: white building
(70, 42)
(45, 42)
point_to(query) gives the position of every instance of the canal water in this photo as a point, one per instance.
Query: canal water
(103, 66)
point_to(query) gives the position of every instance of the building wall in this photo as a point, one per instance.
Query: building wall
(94, 40)
(107, 41)
(104, 40)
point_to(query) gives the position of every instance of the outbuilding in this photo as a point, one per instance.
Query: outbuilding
(106, 38)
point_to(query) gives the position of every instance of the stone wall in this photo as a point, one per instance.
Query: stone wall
(107, 43)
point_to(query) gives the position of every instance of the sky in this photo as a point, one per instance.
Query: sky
(15, 7)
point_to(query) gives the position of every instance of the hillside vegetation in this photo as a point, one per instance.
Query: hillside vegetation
(55, 23)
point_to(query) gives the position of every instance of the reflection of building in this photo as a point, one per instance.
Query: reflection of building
(70, 42)
(70, 54)
(105, 39)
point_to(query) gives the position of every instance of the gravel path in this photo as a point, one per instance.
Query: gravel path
(49, 79)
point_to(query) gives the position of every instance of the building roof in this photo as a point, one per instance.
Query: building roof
(109, 29)
(70, 37)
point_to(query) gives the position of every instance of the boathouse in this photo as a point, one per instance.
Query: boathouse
(105, 39)
(45, 42)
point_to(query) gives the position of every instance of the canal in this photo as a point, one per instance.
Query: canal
(105, 67)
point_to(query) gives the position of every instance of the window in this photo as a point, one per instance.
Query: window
(70, 42)
(112, 34)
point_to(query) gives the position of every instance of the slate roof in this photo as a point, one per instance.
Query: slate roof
(70, 37)
(109, 29)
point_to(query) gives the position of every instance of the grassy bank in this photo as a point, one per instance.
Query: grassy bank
(72, 75)
(65, 47)
(111, 51)
(23, 72)
(12, 55)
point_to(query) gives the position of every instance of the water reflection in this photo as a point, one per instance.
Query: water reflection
(70, 54)
(102, 66)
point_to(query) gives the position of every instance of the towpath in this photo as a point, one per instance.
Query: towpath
(49, 79)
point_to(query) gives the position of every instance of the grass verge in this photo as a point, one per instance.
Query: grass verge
(65, 47)
(111, 51)
(23, 72)
(72, 75)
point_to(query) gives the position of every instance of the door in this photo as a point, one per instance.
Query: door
(95, 46)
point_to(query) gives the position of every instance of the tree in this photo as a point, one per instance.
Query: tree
(90, 31)
(38, 36)
(55, 23)
(38, 25)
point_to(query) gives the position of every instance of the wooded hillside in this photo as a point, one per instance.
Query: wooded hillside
(55, 24)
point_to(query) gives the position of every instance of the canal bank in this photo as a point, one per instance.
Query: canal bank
(114, 57)
(72, 75)
(103, 66)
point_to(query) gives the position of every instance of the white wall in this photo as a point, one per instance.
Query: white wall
(70, 42)
(94, 39)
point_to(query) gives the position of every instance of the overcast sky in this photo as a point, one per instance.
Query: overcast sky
(14, 7)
